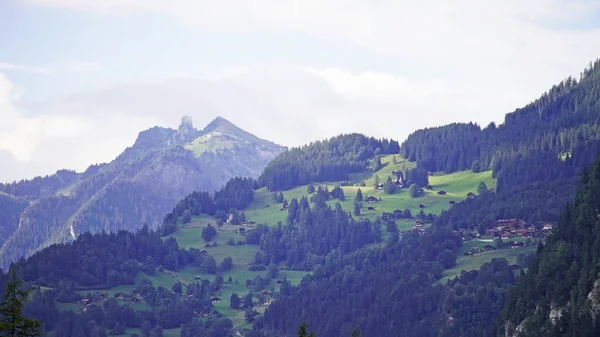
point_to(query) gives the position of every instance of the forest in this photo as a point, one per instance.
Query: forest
(557, 123)
(558, 295)
(329, 160)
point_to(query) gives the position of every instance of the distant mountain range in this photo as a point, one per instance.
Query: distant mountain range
(138, 187)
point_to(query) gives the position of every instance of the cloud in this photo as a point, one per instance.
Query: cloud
(84, 66)
(33, 69)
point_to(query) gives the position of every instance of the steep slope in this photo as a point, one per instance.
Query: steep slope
(559, 294)
(561, 121)
(138, 187)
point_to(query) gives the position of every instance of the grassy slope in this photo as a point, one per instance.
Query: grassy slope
(457, 185)
(189, 235)
(476, 261)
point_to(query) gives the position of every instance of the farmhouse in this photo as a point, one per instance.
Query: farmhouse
(397, 213)
(547, 226)
(429, 173)
(429, 187)
(372, 199)
(441, 192)
(215, 300)
(471, 195)
(452, 202)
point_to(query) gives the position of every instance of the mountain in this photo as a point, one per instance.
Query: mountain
(138, 187)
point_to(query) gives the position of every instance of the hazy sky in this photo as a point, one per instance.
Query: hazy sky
(80, 78)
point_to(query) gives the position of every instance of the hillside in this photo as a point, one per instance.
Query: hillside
(528, 145)
(136, 188)
(558, 295)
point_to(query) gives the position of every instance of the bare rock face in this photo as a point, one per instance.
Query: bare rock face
(185, 132)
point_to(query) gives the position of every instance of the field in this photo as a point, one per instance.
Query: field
(457, 185)
(476, 261)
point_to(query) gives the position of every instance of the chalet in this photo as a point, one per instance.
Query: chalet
(380, 186)
(397, 213)
(471, 195)
(452, 202)
(398, 183)
(85, 301)
(441, 192)
(89, 306)
(371, 208)
(418, 223)
(489, 247)
(468, 254)
(505, 236)
(468, 236)
(135, 300)
(547, 226)
(429, 187)
(118, 295)
(521, 231)
(387, 216)
(372, 199)
(241, 230)
(421, 206)
(197, 278)
(429, 173)
(215, 300)
(203, 252)
(514, 267)
(531, 229)
(512, 223)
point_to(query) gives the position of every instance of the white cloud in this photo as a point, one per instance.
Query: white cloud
(33, 69)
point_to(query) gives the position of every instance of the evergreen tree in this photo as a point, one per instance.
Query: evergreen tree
(356, 208)
(359, 196)
(13, 323)
(376, 182)
(234, 301)
(482, 188)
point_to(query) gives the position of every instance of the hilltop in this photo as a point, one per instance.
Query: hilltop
(136, 188)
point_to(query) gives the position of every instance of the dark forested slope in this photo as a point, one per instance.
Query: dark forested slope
(559, 294)
(561, 121)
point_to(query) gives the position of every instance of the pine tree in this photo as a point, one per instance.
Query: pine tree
(376, 183)
(482, 188)
(13, 323)
(359, 196)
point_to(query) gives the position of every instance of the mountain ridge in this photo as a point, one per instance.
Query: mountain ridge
(138, 187)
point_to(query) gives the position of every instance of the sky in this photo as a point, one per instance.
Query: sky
(79, 79)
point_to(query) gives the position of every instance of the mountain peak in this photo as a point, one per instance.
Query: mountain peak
(223, 125)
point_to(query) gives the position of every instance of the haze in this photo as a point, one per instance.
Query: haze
(79, 79)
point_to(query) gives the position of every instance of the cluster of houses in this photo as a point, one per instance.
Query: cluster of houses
(91, 301)
(134, 297)
(509, 230)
